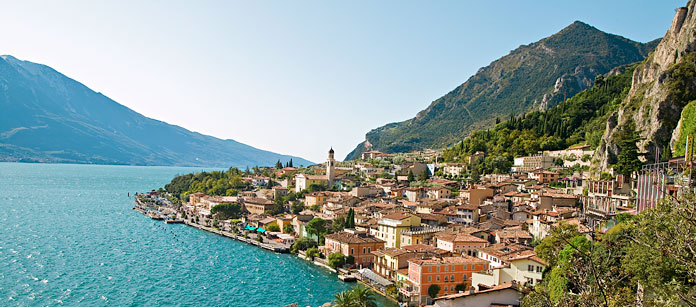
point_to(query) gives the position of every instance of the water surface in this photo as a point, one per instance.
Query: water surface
(68, 236)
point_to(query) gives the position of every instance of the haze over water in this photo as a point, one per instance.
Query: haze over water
(68, 236)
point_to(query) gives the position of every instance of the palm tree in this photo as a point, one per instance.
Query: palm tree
(364, 297)
(344, 299)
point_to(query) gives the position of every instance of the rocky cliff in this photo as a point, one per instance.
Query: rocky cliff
(662, 86)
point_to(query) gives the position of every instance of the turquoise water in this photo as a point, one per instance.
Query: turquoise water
(68, 236)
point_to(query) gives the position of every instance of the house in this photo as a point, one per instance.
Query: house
(523, 267)
(353, 243)
(316, 199)
(390, 226)
(413, 193)
(446, 272)
(279, 192)
(530, 163)
(544, 176)
(303, 181)
(476, 195)
(389, 261)
(365, 191)
(460, 243)
(453, 169)
(505, 295)
(419, 235)
(256, 205)
(438, 192)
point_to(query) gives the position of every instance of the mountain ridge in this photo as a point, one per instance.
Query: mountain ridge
(533, 76)
(53, 118)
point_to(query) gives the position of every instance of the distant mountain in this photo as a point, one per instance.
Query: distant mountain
(532, 77)
(48, 117)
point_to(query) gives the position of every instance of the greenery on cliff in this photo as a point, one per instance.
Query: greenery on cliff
(649, 257)
(578, 120)
(531, 77)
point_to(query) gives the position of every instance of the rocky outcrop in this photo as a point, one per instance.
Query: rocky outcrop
(654, 104)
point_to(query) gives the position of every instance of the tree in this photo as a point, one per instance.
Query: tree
(296, 207)
(460, 287)
(312, 252)
(338, 224)
(350, 219)
(287, 228)
(358, 296)
(628, 158)
(317, 227)
(290, 163)
(423, 175)
(302, 244)
(279, 165)
(273, 227)
(411, 178)
(433, 290)
(337, 260)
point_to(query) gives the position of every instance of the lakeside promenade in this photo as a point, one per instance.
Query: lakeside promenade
(271, 245)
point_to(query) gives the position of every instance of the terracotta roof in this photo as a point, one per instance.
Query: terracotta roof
(396, 216)
(501, 287)
(450, 260)
(460, 237)
(346, 237)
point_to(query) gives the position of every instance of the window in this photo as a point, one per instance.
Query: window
(530, 268)
(351, 251)
(452, 288)
(539, 269)
(438, 268)
(430, 278)
(452, 277)
(437, 278)
(430, 269)
(368, 249)
(446, 278)
(446, 268)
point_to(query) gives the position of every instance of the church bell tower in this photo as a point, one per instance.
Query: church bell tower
(330, 164)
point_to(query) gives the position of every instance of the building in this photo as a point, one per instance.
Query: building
(460, 243)
(531, 163)
(413, 193)
(522, 268)
(355, 244)
(604, 198)
(257, 205)
(303, 181)
(389, 261)
(390, 227)
(330, 165)
(453, 169)
(419, 235)
(316, 198)
(446, 272)
(656, 181)
(506, 295)
(476, 195)
(544, 176)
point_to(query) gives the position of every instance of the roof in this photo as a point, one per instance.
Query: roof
(448, 260)
(391, 252)
(460, 237)
(349, 238)
(396, 216)
(512, 286)
(367, 273)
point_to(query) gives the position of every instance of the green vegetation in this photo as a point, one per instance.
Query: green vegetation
(337, 260)
(302, 244)
(358, 296)
(312, 253)
(514, 84)
(687, 127)
(350, 219)
(433, 290)
(317, 227)
(226, 211)
(287, 228)
(578, 120)
(652, 251)
(227, 183)
(629, 157)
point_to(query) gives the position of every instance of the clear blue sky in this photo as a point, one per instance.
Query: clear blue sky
(294, 77)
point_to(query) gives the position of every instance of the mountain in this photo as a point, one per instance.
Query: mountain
(48, 117)
(658, 111)
(532, 77)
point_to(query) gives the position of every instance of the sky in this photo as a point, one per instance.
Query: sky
(294, 77)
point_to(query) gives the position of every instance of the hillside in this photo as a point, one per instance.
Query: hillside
(532, 77)
(578, 120)
(657, 110)
(48, 117)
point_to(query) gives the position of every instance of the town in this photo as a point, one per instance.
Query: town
(421, 231)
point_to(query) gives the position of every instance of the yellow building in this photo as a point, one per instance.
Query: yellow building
(316, 198)
(389, 228)
(389, 261)
(303, 181)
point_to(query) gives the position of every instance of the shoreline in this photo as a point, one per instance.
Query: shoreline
(261, 245)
